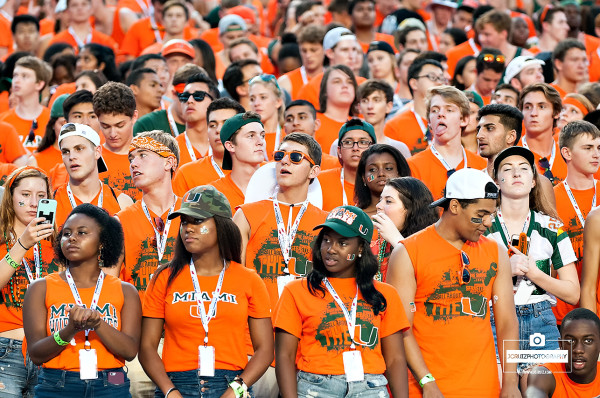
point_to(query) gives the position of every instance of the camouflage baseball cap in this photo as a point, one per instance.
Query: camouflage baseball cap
(349, 221)
(203, 202)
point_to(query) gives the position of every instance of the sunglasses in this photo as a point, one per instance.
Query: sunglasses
(545, 164)
(265, 78)
(31, 135)
(494, 58)
(464, 276)
(295, 156)
(160, 227)
(198, 96)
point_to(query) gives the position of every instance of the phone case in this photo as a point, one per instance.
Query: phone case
(47, 209)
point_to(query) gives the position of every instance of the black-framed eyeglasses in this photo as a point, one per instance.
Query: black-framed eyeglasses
(362, 144)
(434, 78)
(31, 135)
(464, 276)
(545, 164)
(198, 96)
(295, 156)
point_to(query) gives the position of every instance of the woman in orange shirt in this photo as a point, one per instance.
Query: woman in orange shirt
(82, 324)
(266, 99)
(341, 329)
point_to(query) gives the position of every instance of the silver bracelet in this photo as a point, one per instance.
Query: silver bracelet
(170, 391)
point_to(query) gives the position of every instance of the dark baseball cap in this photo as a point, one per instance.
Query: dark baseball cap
(511, 151)
(229, 128)
(202, 202)
(349, 221)
(356, 124)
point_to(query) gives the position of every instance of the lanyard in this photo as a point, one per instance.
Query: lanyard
(286, 236)
(344, 198)
(189, 146)
(38, 265)
(574, 202)
(303, 74)
(444, 163)
(149, 12)
(80, 44)
(474, 47)
(161, 241)
(72, 198)
(173, 125)
(349, 315)
(504, 230)
(77, 297)
(212, 308)
(421, 125)
(9, 17)
(216, 167)
(552, 153)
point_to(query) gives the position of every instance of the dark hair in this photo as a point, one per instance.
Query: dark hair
(304, 7)
(137, 75)
(402, 34)
(415, 69)
(224, 103)
(208, 57)
(140, 61)
(105, 55)
(289, 50)
(458, 35)
(78, 97)
(582, 314)
(312, 146)
(510, 117)
(574, 129)
(301, 102)
(323, 89)
(362, 194)
(229, 240)
(366, 267)
(550, 93)
(113, 99)
(49, 137)
(370, 86)
(111, 234)
(8, 67)
(416, 198)
(494, 65)
(234, 76)
(24, 18)
(124, 68)
(506, 86)
(96, 76)
(353, 4)
(68, 61)
(54, 49)
(436, 56)
(204, 78)
(560, 51)
(463, 202)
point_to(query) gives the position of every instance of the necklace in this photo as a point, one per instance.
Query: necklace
(12, 284)
(380, 257)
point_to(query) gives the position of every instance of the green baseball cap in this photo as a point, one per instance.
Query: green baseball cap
(57, 107)
(474, 97)
(349, 221)
(203, 202)
(357, 124)
(229, 128)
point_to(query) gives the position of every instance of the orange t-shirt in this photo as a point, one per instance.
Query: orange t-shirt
(560, 90)
(243, 295)
(450, 318)
(320, 325)
(328, 132)
(462, 50)
(24, 126)
(405, 127)
(117, 32)
(567, 388)
(389, 39)
(558, 168)
(573, 227)
(329, 162)
(296, 81)
(12, 294)
(592, 43)
(64, 207)
(65, 88)
(97, 37)
(263, 252)
(6, 37)
(141, 35)
(196, 173)
(118, 175)
(184, 154)
(333, 191)
(232, 192)
(48, 158)
(427, 168)
(5, 170)
(594, 67)
(11, 147)
(58, 175)
(310, 91)
(59, 299)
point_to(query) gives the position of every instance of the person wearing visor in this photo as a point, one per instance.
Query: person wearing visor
(347, 328)
(446, 275)
(206, 300)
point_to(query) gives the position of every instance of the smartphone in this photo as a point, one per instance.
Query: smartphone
(47, 209)
(116, 378)
(521, 242)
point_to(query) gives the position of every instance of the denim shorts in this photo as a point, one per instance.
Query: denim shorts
(53, 383)
(16, 378)
(537, 319)
(191, 385)
(312, 385)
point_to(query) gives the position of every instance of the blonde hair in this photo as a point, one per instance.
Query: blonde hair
(450, 94)
(274, 87)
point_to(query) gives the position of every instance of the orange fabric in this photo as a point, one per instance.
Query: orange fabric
(389, 39)
(4, 101)
(320, 325)
(47, 26)
(66, 88)
(567, 388)
(296, 82)
(328, 132)
(379, 16)
(6, 37)
(117, 32)
(270, 143)
(12, 294)
(404, 128)
(449, 317)
(594, 67)
(24, 126)
(427, 168)
(232, 192)
(64, 207)
(332, 189)
(560, 90)
(211, 36)
(592, 43)
(184, 154)
(535, 50)
(59, 299)
(310, 91)
(237, 302)
(193, 174)
(329, 162)
(573, 227)
(141, 257)
(559, 167)
(58, 175)
(152, 145)
(48, 158)
(97, 37)
(11, 147)
(5, 170)
(118, 174)
(458, 52)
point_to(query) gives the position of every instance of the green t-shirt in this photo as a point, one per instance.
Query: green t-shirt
(156, 120)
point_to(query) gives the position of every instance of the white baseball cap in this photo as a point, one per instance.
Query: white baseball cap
(518, 64)
(335, 35)
(85, 131)
(468, 184)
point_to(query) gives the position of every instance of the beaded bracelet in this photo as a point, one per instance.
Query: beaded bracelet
(59, 340)
(10, 261)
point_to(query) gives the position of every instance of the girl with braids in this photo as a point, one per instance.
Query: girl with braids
(26, 255)
(347, 327)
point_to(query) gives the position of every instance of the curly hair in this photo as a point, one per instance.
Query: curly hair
(114, 98)
(111, 235)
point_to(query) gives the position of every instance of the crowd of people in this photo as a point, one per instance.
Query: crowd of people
(378, 198)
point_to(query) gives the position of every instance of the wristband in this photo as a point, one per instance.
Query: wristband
(59, 340)
(10, 261)
(21, 244)
(240, 389)
(170, 391)
(428, 378)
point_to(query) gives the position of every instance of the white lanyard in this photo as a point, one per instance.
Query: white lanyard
(216, 167)
(349, 315)
(574, 202)
(433, 41)
(277, 137)
(503, 225)
(38, 265)
(344, 198)
(149, 12)
(173, 125)
(286, 236)
(72, 198)
(189, 146)
(161, 241)
(552, 153)
(443, 161)
(80, 44)
(77, 297)
(474, 47)
(421, 124)
(303, 74)
(6, 15)
(145, 9)
(212, 308)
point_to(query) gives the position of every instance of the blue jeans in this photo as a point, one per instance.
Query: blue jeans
(53, 383)
(537, 318)
(191, 385)
(16, 378)
(335, 386)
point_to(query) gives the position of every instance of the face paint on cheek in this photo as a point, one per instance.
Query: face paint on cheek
(476, 220)
(21, 204)
(204, 230)
(351, 257)
(371, 178)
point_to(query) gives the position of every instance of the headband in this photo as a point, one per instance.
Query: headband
(577, 104)
(20, 170)
(151, 144)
